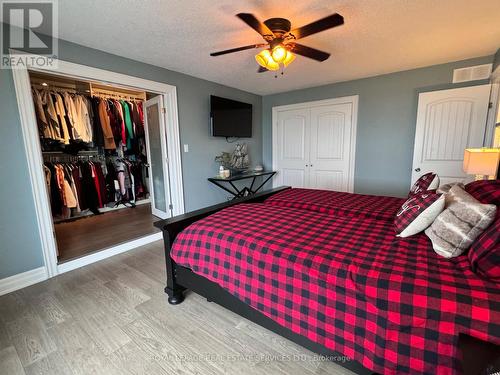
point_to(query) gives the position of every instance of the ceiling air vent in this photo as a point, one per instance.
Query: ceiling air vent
(472, 73)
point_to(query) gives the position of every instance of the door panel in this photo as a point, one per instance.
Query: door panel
(156, 143)
(448, 122)
(331, 129)
(327, 180)
(293, 177)
(293, 148)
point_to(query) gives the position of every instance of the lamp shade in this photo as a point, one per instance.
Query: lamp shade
(265, 60)
(481, 161)
(278, 53)
(289, 58)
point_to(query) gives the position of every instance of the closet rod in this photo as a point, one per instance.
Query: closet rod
(83, 152)
(105, 94)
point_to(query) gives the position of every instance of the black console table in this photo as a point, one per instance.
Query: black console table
(242, 192)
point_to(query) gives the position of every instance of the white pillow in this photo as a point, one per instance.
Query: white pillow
(417, 213)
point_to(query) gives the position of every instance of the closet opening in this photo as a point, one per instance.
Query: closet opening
(103, 156)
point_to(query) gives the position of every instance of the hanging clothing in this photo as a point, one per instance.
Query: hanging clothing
(70, 114)
(61, 117)
(109, 142)
(42, 121)
(77, 177)
(51, 129)
(64, 119)
(116, 121)
(121, 118)
(80, 117)
(89, 190)
(97, 135)
(128, 123)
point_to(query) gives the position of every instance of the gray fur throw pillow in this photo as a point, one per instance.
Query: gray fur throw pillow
(443, 189)
(464, 219)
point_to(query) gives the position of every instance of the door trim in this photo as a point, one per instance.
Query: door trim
(353, 100)
(33, 150)
(493, 110)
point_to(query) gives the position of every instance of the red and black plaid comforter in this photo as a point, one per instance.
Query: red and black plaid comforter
(349, 284)
(338, 203)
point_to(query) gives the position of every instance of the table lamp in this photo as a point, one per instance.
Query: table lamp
(482, 162)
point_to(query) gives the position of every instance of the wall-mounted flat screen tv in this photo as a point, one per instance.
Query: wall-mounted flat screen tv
(230, 118)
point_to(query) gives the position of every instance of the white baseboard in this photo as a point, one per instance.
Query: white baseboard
(22, 280)
(103, 254)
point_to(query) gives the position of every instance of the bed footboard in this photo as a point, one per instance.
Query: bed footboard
(173, 226)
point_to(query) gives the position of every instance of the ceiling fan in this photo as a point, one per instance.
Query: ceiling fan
(280, 44)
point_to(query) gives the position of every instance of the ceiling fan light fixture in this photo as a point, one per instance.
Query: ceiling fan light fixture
(265, 60)
(289, 57)
(279, 53)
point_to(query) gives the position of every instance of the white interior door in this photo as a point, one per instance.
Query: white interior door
(156, 143)
(448, 122)
(293, 148)
(330, 140)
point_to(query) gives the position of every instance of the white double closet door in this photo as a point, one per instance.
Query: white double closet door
(313, 144)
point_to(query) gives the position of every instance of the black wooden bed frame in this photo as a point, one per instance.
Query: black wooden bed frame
(181, 278)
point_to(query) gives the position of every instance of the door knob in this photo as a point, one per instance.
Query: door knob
(417, 169)
(307, 165)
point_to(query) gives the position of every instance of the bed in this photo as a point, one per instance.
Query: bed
(334, 283)
(338, 203)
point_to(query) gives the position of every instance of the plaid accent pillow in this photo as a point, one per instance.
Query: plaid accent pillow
(429, 181)
(417, 213)
(456, 228)
(484, 254)
(485, 191)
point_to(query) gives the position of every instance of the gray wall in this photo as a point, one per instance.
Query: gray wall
(386, 121)
(20, 248)
(19, 237)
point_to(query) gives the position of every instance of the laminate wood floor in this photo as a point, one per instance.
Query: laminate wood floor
(112, 317)
(93, 233)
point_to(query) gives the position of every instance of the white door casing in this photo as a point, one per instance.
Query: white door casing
(168, 93)
(314, 144)
(448, 122)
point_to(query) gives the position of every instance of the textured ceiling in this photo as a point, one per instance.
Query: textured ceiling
(379, 36)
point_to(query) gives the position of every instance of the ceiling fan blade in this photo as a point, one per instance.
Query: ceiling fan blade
(255, 24)
(251, 46)
(312, 53)
(262, 70)
(318, 26)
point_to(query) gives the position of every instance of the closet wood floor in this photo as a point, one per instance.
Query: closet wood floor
(93, 233)
(112, 317)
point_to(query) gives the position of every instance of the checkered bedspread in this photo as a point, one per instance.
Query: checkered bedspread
(338, 203)
(349, 284)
